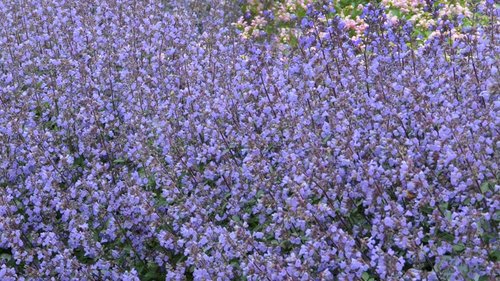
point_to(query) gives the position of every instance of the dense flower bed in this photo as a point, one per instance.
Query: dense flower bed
(138, 144)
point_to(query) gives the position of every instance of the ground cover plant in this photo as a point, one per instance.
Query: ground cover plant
(152, 140)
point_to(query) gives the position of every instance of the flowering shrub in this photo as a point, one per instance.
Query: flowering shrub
(282, 17)
(137, 144)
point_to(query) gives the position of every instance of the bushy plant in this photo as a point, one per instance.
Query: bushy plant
(262, 18)
(139, 144)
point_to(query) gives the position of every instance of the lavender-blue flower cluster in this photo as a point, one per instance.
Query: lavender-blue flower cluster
(138, 144)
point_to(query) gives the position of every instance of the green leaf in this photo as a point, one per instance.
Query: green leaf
(496, 216)
(81, 257)
(486, 186)
(79, 162)
(396, 12)
(259, 194)
(119, 161)
(294, 42)
(326, 139)
(367, 276)
(5, 256)
(458, 248)
(235, 263)
(426, 210)
(300, 12)
(447, 214)
(494, 255)
(448, 237)
(151, 272)
(443, 206)
(151, 181)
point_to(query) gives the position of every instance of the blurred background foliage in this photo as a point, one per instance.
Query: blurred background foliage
(266, 18)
